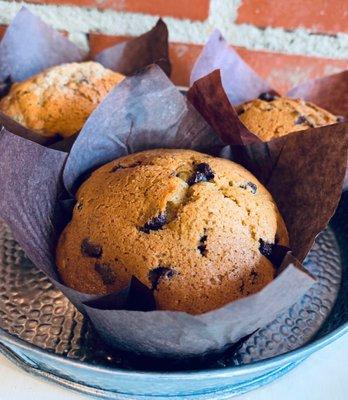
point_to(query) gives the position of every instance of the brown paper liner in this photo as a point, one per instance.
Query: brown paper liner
(30, 46)
(151, 113)
(241, 83)
(304, 170)
(330, 93)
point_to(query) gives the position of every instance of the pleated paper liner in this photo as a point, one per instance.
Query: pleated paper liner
(147, 111)
(30, 46)
(241, 83)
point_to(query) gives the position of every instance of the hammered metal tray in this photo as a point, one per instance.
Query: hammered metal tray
(34, 313)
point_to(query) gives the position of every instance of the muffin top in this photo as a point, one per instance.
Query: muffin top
(270, 116)
(195, 229)
(58, 100)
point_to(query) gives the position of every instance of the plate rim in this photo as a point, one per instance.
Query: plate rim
(236, 370)
(8, 340)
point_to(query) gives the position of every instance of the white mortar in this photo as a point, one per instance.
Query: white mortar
(79, 21)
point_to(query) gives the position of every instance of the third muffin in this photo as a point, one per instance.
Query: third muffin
(271, 116)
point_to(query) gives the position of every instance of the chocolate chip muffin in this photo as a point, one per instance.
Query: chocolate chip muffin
(195, 229)
(271, 116)
(60, 99)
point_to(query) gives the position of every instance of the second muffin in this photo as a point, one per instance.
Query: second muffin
(60, 99)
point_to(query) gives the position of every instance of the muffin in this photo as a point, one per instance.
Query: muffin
(60, 99)
(271, 116)
(195, 229)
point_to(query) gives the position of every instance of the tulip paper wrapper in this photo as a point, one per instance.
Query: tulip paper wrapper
(29, 46)
(240, 84)
(146, 111)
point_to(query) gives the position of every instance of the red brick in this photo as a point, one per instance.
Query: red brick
(193, 9)
(99, 42)
(2, 30)
(283, 71)
(325, 16)
(183, 57)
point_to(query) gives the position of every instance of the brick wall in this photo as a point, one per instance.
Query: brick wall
(286, 41)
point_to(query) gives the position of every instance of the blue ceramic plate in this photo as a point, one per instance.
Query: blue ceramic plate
(41, 331)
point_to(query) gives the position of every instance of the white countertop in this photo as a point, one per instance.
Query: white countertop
(323, 376)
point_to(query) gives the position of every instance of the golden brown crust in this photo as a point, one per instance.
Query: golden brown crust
(278, 117)
(202, 252)
(59, 99)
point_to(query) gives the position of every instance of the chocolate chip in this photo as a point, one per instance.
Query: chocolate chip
(254, 275)
(240, 110)
(5, 86)
(155, 223)
(89, 249)
(79, 206)
(203, 173)
(115, 168)
(268, 96)
(159, 273)
(265, 248)
(340, 118)
(249, 185)
(202, 247)
(303, 120)
(106, 273)
(242, 286)
(118, 167)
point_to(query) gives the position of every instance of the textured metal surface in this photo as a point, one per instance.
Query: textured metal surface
(32, 309)
(297, 326)
(58, 343)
